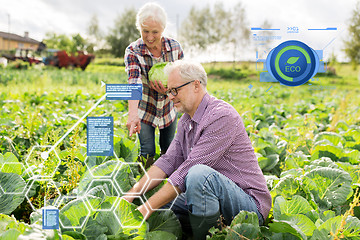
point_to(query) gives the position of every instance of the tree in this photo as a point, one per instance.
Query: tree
(197, 29)
(210, 28)
(59, 42)
(221, 21)
(352, 46)
(123, 33)
(93, 29)
(63, 42)
(238, 33)
(78, 43)
(96, 36)
(263, 47)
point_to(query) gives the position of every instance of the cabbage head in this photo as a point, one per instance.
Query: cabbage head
(157, 73)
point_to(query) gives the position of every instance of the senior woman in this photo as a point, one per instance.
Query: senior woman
(154, 109)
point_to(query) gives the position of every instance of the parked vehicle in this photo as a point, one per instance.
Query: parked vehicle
(24, 54)
(61, 59)
(51, 57)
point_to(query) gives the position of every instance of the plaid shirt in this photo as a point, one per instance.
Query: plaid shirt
(154, 109)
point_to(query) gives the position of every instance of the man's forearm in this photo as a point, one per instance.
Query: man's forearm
(166, 194)
(150, 180)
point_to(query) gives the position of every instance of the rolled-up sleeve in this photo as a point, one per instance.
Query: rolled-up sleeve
(173, 157)
(216, 138)
(132, 67)
(181, 54)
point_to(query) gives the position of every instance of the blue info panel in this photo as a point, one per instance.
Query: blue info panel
(50, 218)
(123, 91)
(100, 136)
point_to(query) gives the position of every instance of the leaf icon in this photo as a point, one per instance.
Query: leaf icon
(292, 60)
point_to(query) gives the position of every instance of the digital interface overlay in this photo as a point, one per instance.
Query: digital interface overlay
(42, 162)
(292, 55)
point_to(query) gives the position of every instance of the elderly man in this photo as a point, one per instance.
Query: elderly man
(210, 163)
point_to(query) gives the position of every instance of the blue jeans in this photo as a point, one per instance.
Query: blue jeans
(209, 192)
(147, 139)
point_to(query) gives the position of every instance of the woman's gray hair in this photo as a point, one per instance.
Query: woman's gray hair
(153, 11)
(188, 71)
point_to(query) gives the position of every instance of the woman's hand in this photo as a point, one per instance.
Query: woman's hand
(158, 86)
(133, 123)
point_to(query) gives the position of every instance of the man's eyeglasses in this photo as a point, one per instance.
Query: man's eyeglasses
(174, 91)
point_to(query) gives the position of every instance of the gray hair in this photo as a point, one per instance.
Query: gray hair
(188, 71)
(153, 11)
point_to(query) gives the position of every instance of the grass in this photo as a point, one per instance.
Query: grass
(39, 105)
(236, 89)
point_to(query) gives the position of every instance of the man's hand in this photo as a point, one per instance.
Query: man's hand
(128, 198)
(145, 211)
(158, 86)
(166, 194)
(156, 176)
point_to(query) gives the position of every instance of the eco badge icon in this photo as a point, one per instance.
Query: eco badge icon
(292, 63)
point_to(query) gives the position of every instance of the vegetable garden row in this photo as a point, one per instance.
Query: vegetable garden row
(307, 142)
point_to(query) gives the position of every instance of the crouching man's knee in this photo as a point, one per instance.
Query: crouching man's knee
(197, 176)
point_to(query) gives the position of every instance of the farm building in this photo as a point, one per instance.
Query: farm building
(11, 41)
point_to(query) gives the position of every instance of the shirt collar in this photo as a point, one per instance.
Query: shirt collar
(144, 51)
(201, 108)
(166, 44)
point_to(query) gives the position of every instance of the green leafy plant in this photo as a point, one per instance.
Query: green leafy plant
(307, 143)
(157, 73)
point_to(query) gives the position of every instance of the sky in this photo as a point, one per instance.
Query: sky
(73, 16)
